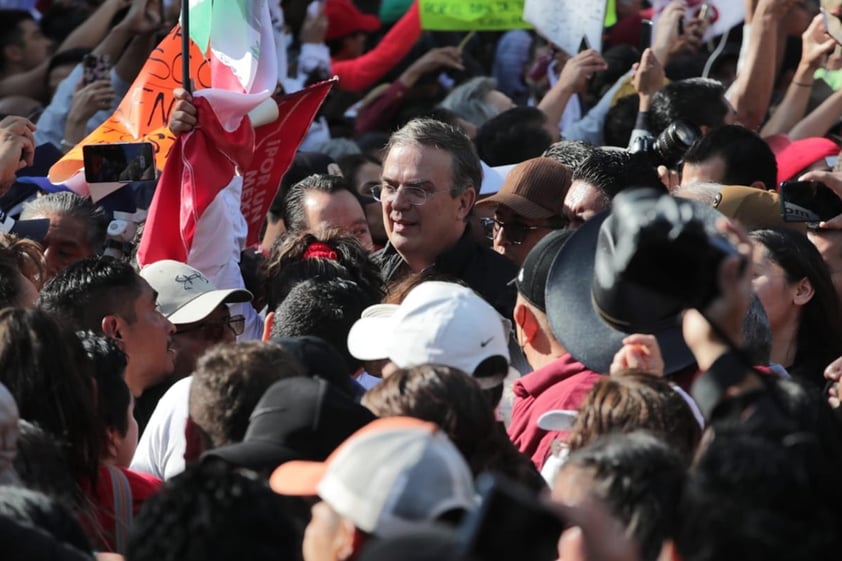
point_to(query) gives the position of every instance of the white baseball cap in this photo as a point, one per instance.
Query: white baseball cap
(185, 295)
(437, 323)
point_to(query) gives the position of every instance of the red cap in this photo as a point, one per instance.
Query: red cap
(343, 18)
(801, 154)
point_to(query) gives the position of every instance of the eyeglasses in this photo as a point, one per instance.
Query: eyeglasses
(416, 196)
(215, 330)
(515, 232)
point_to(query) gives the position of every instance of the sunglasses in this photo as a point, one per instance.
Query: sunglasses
(515, 232)
(215, 330)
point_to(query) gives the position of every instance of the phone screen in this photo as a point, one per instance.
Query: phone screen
(808, 201)
(645, 34)
(119, 163)
(95, 68)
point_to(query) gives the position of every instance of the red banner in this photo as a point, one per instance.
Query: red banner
(275, 147)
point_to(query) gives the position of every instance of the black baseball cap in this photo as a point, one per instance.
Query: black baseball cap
(298, 418)
(531, 280)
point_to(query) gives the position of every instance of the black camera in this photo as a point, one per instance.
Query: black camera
(670, 146)
(667, 245)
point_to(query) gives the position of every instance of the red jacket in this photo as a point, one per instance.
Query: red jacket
(103, 533)
(358, 74)
(562, 384)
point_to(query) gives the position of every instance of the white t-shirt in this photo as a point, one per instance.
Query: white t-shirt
(160, 451)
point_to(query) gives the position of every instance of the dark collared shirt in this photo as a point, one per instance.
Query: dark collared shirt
(481, 268)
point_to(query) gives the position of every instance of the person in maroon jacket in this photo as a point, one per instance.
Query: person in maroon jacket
(558, 381)
(590, 311)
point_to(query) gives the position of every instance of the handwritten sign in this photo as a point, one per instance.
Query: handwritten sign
(565, 22)
(145, 110)
(466, 15)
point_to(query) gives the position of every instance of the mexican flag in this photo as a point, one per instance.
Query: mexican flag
(229, 33)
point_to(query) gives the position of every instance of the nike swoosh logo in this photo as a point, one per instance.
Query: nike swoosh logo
(484, 343)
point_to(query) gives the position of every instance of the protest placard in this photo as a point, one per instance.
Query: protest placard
(144, 112)
(467, 15)
(565, 22)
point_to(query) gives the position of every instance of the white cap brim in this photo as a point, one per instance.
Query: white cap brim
(368, 335)
(201, 307)
(557, 419)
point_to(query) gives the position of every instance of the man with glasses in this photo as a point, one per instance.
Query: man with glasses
(528, 206)
(431, 175)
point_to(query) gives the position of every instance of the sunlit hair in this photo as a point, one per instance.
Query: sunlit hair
(636, 401)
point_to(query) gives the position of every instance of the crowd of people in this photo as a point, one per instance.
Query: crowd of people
(509, 302)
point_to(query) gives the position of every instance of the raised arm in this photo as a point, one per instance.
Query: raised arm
(362, 72)
(751, 92)
(573, 79)
(815, 46)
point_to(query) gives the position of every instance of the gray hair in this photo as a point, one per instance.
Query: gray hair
(467, 170)
(468, 100)
(703, 192)
(72, 205)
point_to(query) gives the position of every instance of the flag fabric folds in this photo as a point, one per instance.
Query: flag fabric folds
(203, 162)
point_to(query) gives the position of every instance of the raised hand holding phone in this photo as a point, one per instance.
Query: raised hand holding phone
(832, 180)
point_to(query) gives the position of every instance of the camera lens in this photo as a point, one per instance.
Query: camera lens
(672, 144)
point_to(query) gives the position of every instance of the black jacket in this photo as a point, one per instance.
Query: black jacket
(484, 270)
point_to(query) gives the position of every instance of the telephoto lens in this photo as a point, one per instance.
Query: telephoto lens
(673, 143)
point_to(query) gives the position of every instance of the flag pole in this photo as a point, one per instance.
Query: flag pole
(185, 45)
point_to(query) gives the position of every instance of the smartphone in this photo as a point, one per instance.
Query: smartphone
(832, 23)
(511, 523)
(645, 35)
(95, 67)
(808, 201)
(119, 163)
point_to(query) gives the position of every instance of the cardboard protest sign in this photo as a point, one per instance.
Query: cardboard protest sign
(144, 112)
(565, 22)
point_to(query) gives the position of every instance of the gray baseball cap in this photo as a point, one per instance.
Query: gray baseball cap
(185, 295)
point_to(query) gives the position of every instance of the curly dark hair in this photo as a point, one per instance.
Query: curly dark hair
(213, 511)
(454, 401)
(290, 263)
(229, 381)
(639, 478)
(632, 402)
